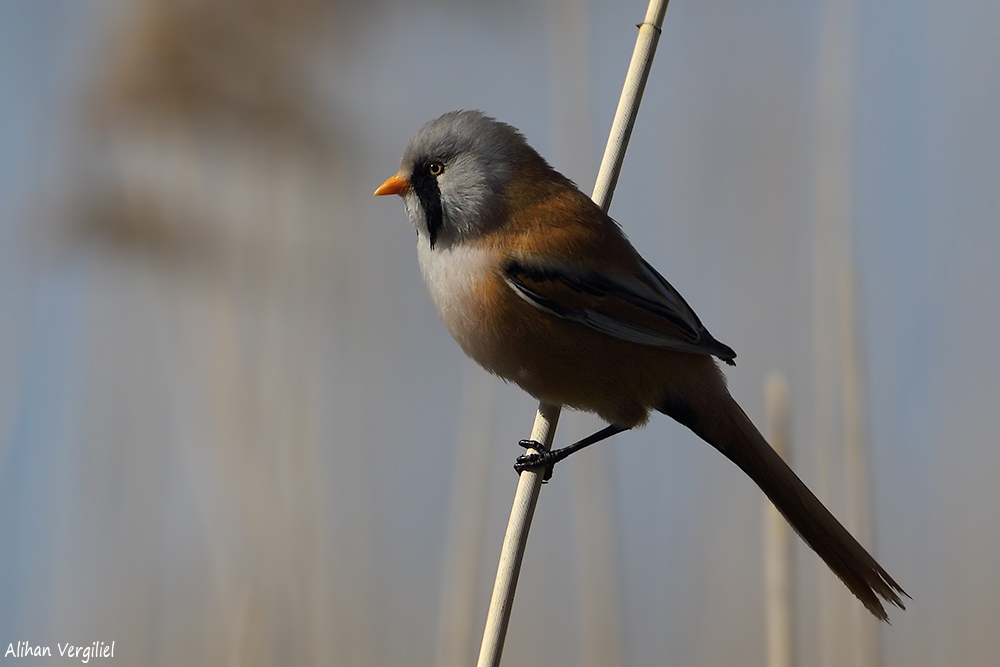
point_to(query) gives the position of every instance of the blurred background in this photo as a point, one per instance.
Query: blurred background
(233, 430)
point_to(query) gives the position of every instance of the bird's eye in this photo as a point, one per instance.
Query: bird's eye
(435, 168)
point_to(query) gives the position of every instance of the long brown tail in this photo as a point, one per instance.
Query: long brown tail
(727, 428)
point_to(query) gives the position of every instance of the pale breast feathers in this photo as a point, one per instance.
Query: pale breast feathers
(451, 275)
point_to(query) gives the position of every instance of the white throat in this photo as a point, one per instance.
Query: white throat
(451, 275)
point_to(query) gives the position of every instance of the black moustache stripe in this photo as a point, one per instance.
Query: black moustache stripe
(429, 194)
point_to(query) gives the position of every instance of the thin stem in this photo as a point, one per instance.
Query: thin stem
(512, 553)
(628, 104)
(530, 482)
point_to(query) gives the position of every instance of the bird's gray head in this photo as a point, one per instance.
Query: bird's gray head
(459, 168)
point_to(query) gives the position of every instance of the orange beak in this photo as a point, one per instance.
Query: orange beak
(396, 185)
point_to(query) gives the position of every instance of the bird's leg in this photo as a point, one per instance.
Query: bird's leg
(549, 459)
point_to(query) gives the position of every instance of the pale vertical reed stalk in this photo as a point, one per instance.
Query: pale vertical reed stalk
(457, 616)
(835, 378)
(529, 483)
(859, 518)
(217, 171)
(778, 579)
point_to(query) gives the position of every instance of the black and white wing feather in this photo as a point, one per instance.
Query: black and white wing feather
(646, 312)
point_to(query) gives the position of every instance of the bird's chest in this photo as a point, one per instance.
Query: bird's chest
(459, 279)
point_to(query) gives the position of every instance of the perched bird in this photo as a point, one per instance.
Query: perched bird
(540, 287)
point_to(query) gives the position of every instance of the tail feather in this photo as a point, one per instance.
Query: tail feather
(731, 432)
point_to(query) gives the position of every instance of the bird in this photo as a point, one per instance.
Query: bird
(542, 288)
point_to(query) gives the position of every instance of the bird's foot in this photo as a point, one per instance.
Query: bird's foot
(541, 459)
(548, 459)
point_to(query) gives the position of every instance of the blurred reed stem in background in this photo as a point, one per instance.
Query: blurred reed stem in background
(225, 183)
